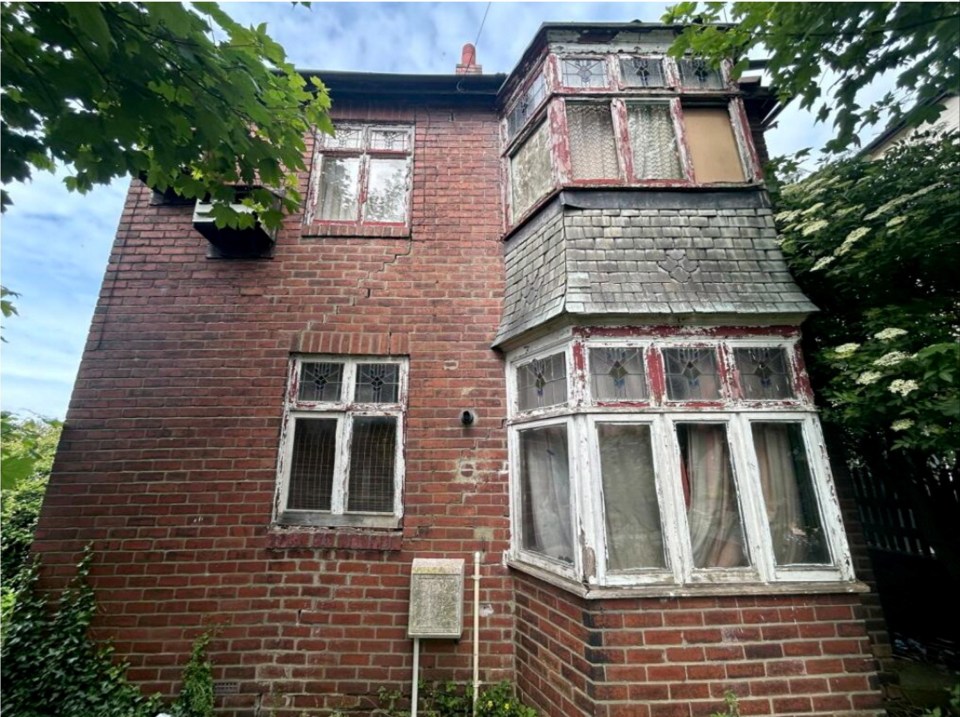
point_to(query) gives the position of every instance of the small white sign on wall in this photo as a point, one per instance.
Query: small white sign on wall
(436, 598)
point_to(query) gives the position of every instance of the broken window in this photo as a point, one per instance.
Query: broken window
(362, 175)
(671, 462)
(340, 462)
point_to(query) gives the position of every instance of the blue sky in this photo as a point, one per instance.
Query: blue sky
(55, 244)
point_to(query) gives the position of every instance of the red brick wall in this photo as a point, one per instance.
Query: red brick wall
(168, 460)
(676, 657)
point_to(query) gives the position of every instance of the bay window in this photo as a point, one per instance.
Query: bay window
(685, 462)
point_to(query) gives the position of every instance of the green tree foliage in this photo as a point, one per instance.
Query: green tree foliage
(25, 462)
(875, 245)
(825, 54)
(183, 97)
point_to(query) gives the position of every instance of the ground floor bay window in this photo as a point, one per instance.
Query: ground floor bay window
(670, 461)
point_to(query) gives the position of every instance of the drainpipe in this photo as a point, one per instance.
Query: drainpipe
(476, 630)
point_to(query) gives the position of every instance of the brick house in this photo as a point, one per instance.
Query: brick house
(582, 256)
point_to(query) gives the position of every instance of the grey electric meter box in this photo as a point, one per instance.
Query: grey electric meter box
(436, 598)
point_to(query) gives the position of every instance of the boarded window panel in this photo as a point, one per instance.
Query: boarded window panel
(339, 189)
(653, 141)
(531, 175)
(593, 151)
(713, 147)
(372, 456)
(312, 463)
(631, 510)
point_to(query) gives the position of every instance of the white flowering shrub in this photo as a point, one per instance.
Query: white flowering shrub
(874, 244)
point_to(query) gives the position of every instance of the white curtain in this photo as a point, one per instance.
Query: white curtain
(545, 500)
(634, 535)
(713, 513)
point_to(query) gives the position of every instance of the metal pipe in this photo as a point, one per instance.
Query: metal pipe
(414, 697)
(476, 629)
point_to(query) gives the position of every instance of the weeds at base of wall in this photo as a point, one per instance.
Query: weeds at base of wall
(451, 699)
(52, 667)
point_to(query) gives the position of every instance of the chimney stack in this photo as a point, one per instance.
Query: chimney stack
(468, 61)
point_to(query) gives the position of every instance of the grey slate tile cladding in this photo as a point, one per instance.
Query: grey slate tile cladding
(647, 255)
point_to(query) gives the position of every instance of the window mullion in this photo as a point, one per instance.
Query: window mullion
(585, 500)
(622, 137)
(338, 501)
(362, 185)
(675, 530)
(686, 164)
(819, 462)
(747, 474)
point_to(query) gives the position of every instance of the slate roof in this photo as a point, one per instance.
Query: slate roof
(646, 255)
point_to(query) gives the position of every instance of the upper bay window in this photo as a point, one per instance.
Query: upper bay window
(361, 176)
(341, 456)
(671, 461)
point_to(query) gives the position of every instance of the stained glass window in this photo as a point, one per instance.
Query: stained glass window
(542, 383)
(377, 383)
(653, 141)
(527, 104)
(697, 74)
(763, 373)
(320, 381)
(617, 374)
(642, 71)
(691, 373)
(531, 174)
(593, 151)
(584, 72)
(363, 174)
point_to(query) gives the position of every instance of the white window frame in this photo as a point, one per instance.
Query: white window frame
(365, 152)
(344, 411)
(582, 414)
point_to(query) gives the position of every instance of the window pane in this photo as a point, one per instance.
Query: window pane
(377, 383)
(526, 105)
(339, 189)
(713, 147)
(320, 381)
(713, 510)
(584, 73)
(691, 374)
(397, 140)
(634, 536)
(653, 141)
(696, 74)
(642, 71)
(545, 493)
(311, 466)
(593, 151)
(531, 175)
(788, 494)
(542, 383)
(763, 373)
(386, 191)
(343, 138)
(617, 373)
(372, 457)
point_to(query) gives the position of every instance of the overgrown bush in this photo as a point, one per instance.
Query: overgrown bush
(52, 668)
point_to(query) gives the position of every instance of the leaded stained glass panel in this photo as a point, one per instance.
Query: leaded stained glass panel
(527, 105)
(653, 141)
(617, 374)
(377, 383)
(531, 174)
(343, 138)
(593, 151)
(697, 74)
(763, 373)
(542, 383)
(584, 72)
(320, 381)
(691, 373)
(396, 140)
(642, 71)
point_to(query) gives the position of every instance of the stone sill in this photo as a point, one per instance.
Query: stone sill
(319, 230)
(283, 538)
